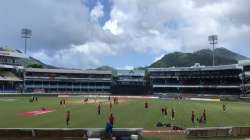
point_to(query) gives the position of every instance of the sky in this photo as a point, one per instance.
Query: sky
(122, 33)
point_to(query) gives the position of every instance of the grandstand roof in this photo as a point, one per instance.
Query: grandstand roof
(130, 72)
(3, 66)
(202, 68)
(73, 71)
(11, 53)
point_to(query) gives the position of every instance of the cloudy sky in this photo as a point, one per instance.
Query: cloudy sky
(122, 33)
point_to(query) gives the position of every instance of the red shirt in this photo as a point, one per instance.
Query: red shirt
(193, 116)
(146, 105)
(162, 110)
(204, 116)
(166, 111)
(111, 119)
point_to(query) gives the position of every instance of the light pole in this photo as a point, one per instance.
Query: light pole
(26, 33)
(213, 39)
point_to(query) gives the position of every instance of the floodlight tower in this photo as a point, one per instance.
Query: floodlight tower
(26, 34)
(213, 39)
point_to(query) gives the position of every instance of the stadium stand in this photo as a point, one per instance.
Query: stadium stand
(232, 80)
(245, 76)
(11, 68)
(67, 81)
(129, 82)
(197, 80)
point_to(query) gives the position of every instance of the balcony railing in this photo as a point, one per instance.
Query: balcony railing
(66, 78)
(196, 86)
(66, 87)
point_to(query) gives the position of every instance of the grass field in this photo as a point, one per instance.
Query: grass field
(128, 113)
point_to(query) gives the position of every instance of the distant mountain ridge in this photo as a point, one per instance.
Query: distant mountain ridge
(223, 56)
(35, 63)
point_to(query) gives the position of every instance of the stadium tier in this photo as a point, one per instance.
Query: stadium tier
(129, 82)
(10, 82)
(11, 69)
(245, 76)
(197, 80)
(67, 81)
(11, 58)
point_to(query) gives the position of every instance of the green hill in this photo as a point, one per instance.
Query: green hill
(178, 59)
(32, 62)
(204, 57)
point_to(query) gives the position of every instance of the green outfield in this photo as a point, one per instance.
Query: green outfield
(128, 113)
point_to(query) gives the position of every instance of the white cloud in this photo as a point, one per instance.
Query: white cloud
(154, 32)
(114, 24)
(113, 27)
(141, 26)
(87, 55)
(98, 48)
(167, 26)
(127, 67)
(97, 12)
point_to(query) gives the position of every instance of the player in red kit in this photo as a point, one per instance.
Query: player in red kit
(193, 117)
(111, 119)
(173, 114)
(99, 109)
(146, 105)
(162, 111)
(114, 99)
(204, 116)
(67, 118)
(165, 111)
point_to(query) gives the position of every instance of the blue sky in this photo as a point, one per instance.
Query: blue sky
(122, 33)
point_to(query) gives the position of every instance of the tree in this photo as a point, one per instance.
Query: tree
(35, 66)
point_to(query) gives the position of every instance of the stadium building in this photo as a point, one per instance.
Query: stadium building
(129, 82)
(11, 70)
(245, 76)
(197, 80)
(67, 81)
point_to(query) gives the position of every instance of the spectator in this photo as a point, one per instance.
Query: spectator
(109, 128)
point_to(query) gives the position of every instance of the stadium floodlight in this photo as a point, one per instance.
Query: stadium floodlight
(213, 39)
(26, 33)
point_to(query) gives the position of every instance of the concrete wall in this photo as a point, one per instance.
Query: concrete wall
(67, 132)
(241, 131)
(208, 132)
(218, 132)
